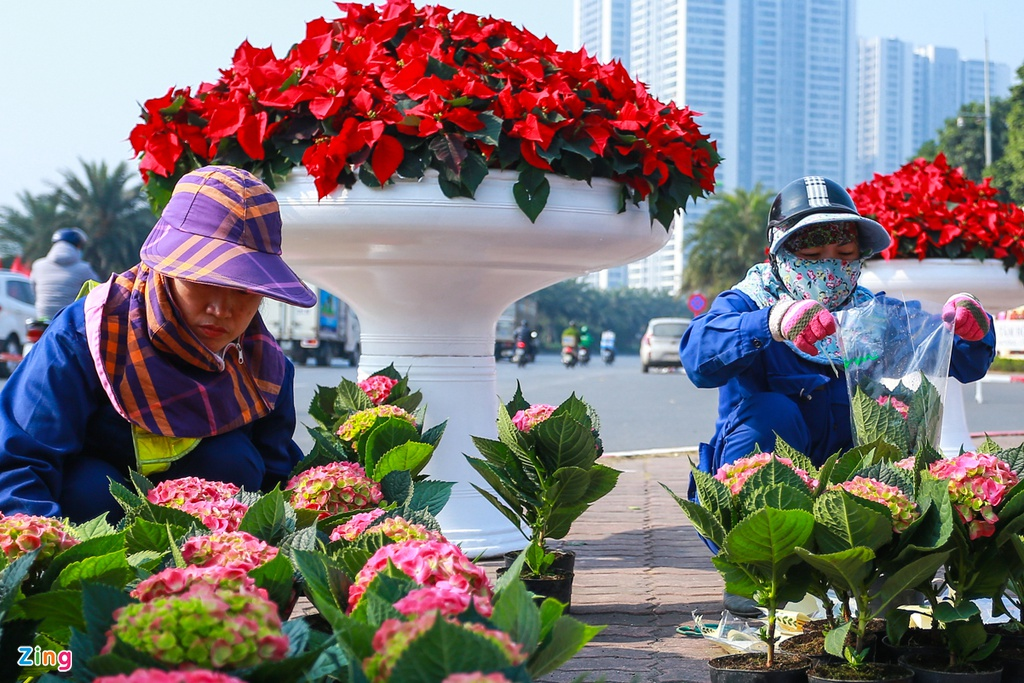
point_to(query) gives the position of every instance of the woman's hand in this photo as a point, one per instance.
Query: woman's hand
(965, 316)
(804, 323)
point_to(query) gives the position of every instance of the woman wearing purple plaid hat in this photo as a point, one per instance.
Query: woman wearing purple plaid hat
(166, 369)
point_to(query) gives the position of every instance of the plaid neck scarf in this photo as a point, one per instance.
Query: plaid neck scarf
(162, 378)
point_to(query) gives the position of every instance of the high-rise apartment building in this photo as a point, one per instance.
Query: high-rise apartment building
(938, 68)
(885, 135)
(907, 93)
(773, 81)
(972, 80)
(603, 26)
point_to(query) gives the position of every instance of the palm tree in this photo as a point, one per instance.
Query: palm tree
(111, 210)
(28, 232)
(727, 241)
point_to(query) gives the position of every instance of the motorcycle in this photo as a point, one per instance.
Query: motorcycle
(34, 328)
(584, 355)
(608, 355)
(569, 356)
(521, 355)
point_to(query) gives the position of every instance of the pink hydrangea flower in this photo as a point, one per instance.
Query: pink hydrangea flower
(161, 676)
(525, 420)
(395, 528)
(229, 549)
(902, 408)
(400, 529)
(358, 422)
(903, 510)
(175, 580)
(447, 601)
(333, 488)
(977, 483)
(216, 515)
(21, 533)
(476, 677)
(428, 563)
(356, 525)
(378, 388)
(907, 463)
(207, 627)
(395, 635)
(737, 473)
(176, 492)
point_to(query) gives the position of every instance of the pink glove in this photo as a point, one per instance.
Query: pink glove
(804, 323)
(964, 315)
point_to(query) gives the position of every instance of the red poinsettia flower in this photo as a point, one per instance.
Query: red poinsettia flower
(932, 210)
(390, 91)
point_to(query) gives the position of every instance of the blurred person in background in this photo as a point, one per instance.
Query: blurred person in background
(58, 277)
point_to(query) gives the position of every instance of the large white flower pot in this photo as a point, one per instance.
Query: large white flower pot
(936, 280)
(428, 277)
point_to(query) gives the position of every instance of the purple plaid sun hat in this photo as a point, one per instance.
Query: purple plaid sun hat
(222, 227)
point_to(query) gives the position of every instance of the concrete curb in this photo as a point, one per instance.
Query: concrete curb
(686, 451)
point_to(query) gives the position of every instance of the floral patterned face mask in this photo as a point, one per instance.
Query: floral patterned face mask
(829, 281)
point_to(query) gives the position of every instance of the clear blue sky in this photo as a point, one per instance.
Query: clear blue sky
(75, 72)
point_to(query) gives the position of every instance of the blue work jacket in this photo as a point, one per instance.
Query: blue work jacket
(55, 415)
(730, 347)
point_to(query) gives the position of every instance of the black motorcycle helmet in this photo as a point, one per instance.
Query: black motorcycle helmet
(815, 199)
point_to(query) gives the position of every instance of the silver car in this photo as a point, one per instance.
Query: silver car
(659, 347)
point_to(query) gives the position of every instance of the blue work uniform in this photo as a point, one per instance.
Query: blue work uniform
(60, 437)
(765, 388)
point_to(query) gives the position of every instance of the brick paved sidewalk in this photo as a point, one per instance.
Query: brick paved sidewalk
(642, 571)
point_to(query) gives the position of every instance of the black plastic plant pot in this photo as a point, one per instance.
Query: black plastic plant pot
(565, 560)
(749, 668)
(557, 585)
(872, 672)
(928, 669)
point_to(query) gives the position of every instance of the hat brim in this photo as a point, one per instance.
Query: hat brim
(871, 236)
(208, 260)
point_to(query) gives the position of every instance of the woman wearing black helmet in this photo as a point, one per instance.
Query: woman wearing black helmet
(769, 343)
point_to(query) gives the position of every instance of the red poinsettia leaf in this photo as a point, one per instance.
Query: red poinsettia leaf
(225, 120)
(251, 134)
(161, 153)
(386, 158)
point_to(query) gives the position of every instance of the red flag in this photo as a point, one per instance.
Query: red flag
(18, 267)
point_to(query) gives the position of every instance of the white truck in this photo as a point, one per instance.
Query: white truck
(326, 331)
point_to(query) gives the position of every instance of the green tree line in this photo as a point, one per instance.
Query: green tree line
(624, 311)
(106, 203)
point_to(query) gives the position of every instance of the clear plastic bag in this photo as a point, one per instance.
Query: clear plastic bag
(896, 356)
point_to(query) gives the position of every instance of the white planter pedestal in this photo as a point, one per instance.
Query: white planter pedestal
(936, 280)
(428, 277)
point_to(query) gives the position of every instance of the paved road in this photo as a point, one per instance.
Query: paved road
(656, 410)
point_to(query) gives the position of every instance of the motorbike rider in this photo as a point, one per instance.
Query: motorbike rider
(608, 343)
(571, 337)
(586, 339)
(586, 342)
(58, 277)
(524, 334)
